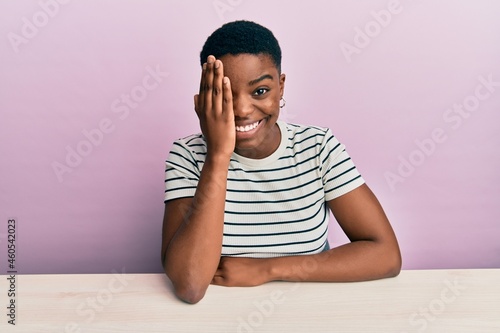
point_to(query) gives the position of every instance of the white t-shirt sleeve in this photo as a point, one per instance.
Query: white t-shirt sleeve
(339, 173)
(182, 172)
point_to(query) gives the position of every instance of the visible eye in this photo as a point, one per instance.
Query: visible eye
(260, 91)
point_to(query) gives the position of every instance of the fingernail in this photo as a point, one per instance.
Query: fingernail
(217, 63)
(210, 59)
(225, 80)
(204, 66)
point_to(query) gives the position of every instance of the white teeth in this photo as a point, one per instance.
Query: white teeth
(247, 127)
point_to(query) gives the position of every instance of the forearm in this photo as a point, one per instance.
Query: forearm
(356, 261)
(194, 251)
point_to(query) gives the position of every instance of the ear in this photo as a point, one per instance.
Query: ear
(282, 84)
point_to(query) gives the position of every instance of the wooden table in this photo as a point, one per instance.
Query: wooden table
(415, 301)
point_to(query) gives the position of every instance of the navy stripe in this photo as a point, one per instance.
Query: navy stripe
(260, 171)
(342, 185)
(185, 159)
(194, 137)
(184, 168)
(180, 188)
(286, 189)
(304, 139)
(307, 218)
(180, 178)
(280, 253)
(243, 180)
(276, 211)
(289, 207)
(275, 201)
(279, 233)
(330, 152)
(300, 152)
(339, 175)
(277, 244)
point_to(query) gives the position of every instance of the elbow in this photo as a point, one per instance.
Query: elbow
(190, 295)
(393, 270)
(188, 286)
(187, 290)
(394, 263)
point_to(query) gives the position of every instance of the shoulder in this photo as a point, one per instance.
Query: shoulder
(194, 143)
(298, 133)
(301, 128)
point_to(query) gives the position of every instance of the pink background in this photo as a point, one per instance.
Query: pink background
(67, 68)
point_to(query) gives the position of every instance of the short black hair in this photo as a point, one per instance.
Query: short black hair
(239, 37)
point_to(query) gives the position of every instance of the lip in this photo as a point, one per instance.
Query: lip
(251, 132)
(256, 123)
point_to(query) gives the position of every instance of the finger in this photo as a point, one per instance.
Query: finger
(217, 87)
(218, 276)
(208, 83)
(227, 103)
(217, 280)
(196, 106)
(198, 100)
(202, 79)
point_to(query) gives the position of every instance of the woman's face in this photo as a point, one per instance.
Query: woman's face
(257, 88)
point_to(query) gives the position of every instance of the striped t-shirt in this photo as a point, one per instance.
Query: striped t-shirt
(277, 205)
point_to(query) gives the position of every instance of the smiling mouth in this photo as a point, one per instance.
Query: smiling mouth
(247, 128)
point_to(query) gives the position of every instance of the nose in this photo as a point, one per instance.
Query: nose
(242, 106)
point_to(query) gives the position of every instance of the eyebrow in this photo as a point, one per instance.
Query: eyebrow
(263, 77)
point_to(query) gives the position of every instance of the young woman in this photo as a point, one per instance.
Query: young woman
(247, 200)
